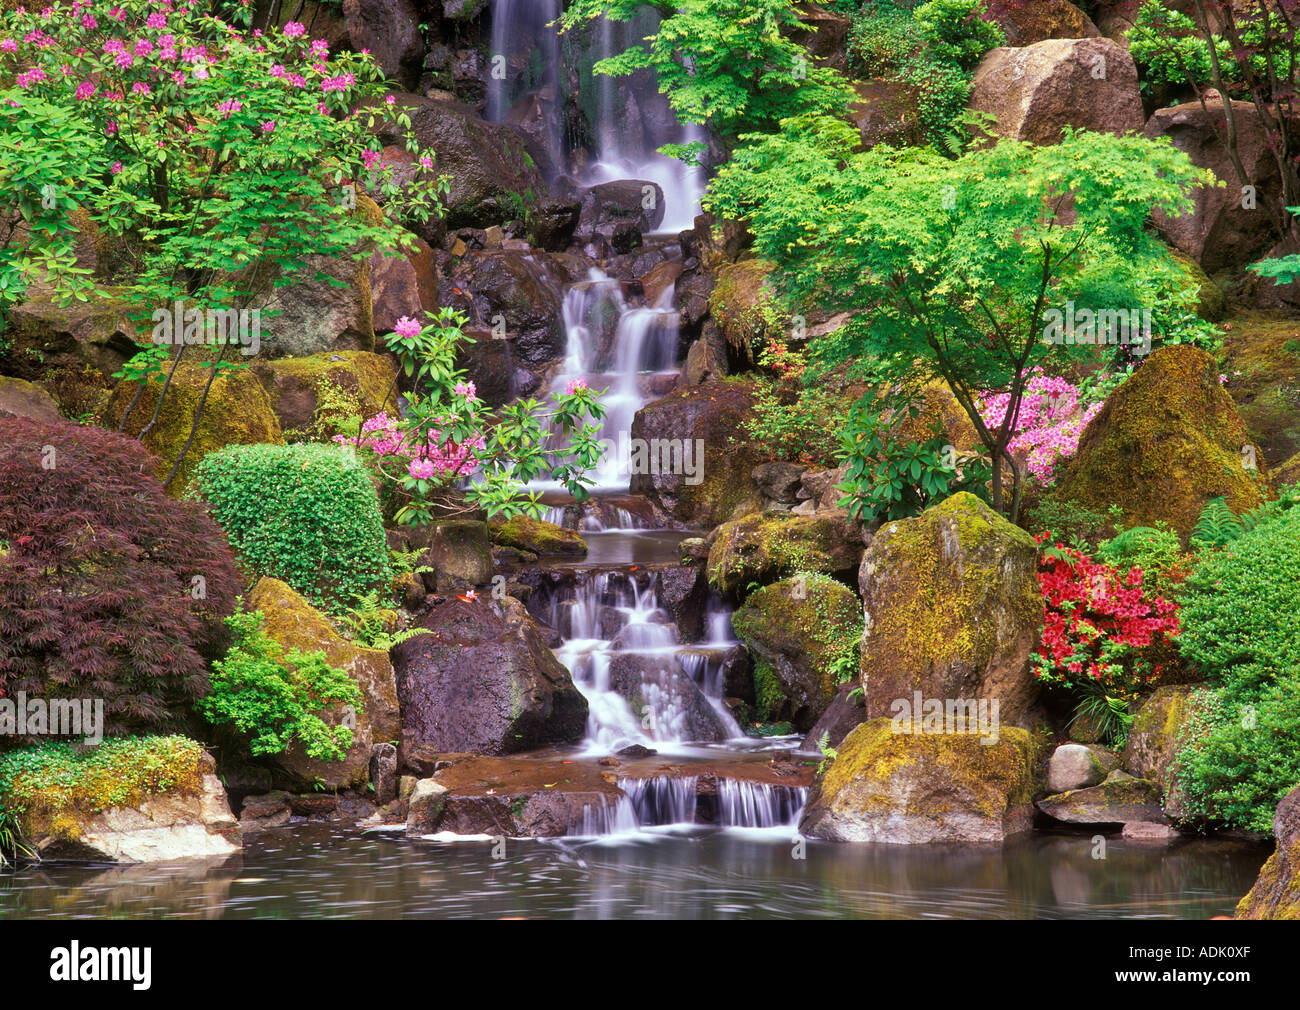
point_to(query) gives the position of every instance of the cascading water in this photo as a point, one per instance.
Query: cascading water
(524, 72)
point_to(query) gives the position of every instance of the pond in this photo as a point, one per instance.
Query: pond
(314, 871)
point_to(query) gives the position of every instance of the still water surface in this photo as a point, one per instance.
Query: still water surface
(317, 871)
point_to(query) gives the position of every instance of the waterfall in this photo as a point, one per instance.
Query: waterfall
(525, 62)
(663, 801)
(759, 805)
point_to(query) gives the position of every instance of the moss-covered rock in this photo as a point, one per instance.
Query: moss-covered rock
(1155, 738)
(800, 632)
(910, 789)
(768, 545)
(1287, 473)
(744, 305)
(1261, 358)
(312, 396)
(1121, 799)
(1276, 894)
(296, 624)
(20, 398)
(44, 334)
(706, 421)
(536, 536)
(1166, 442)
(237, 412)
(937, 407)
(953, 609)
(1211, 304)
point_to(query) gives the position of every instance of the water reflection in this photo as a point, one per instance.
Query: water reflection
(321, 872)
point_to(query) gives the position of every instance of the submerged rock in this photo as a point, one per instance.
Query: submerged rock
(536, 536)
(1276, 894)
(912, 789)
(1165, 442)
(485, 681)
(953, 610)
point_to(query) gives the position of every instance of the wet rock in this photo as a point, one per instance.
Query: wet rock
(20, 398)
(886, 112)
(796, 631)
(294, 624)
(403, 285)
(699, 425)
(1120, 799)
(1155, 738)
(1220, 232)
(842, 717)
(485, 681)
(744, 306)
(706, 359)
(1276, 894)
(764, 547)
(1035, 91)
(488, 163)
(1166, 442)
(636, 750)
(383, 772)
(914, 789)
(1147, 831)
(390, 30)
(780, 482)
(684, 592)
(663, 696)
(953, 609)
(824, 34)
(633, 203)
(425, 807)
(314, 805)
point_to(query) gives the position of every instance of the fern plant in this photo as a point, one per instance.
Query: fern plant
(372, 625)
(1218, 526)
(1108, 715)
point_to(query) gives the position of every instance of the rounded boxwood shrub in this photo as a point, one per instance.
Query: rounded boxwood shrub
(1241, 630)
(109, 589)
(307, 514)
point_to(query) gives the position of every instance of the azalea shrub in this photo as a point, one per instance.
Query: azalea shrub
(796, 415)
(1051, 419)
(1102, 626)
(446, 452)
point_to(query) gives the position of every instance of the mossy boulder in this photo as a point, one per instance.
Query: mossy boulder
(536, 536)
(238, 411)
(953, 609)
(914, 789)
(312, 396)
(1288, 472)
(937, 406)
(1276, 894)
(799, 632)
(706, 421)
(1164, 443)
(745, 307)
(1211, 304)
(769, 545)
(1262, 362)
(1155, 738)
(1120, 799)
(44, 334)
(295, 624)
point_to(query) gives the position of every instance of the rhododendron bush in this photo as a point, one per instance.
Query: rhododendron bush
(1049, 423)
(445, 452)
(1101, 625)
(219, 158)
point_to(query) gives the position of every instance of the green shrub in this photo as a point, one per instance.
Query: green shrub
(1241, 630)
(275, 697)
(1157, 551)
(307, 514)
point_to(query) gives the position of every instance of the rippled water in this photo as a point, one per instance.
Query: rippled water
(314, 871)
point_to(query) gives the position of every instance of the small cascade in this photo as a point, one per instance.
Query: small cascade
(611, 817)
(616, 347)
(641, 684)
(759, 805)
(524, 71)
(661, 800)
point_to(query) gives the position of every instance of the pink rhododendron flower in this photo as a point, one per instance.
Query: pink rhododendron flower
(407, 327)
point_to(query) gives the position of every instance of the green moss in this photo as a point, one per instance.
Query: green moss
(53, 787)
(743, 305)
(536, 536)
(768, 545)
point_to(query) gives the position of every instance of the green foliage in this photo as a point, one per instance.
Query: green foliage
(276, 698)
(1157, 551)
(1166, 43)
(955, 32)
(1218, 526)
(56, 777)
(306, 513)
(955, 264)
(891, 479)
(1069, 523)
(1108, 715)
(796, 416)
(1241, 752)
(828, 752)
(372, 625)
(726, 64)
